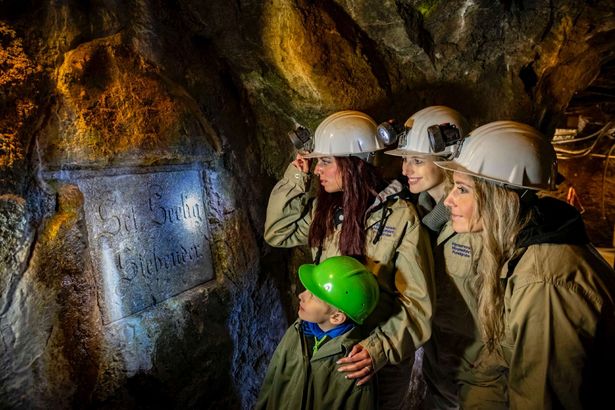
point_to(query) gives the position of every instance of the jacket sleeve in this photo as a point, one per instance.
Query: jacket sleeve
(284, 381)
(550, 330)
(266, 396)
(289, 211)
(396, 339)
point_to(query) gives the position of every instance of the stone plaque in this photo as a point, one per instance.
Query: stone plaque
(148, 236)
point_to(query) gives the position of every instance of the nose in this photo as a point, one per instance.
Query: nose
(449, 201)
(317, 169)
(302, 296)
(406, 169)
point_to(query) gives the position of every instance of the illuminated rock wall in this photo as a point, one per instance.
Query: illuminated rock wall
(140, 141)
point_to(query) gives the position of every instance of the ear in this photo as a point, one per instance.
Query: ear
(338, 318)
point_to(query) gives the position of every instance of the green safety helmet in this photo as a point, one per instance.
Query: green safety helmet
(344, 283)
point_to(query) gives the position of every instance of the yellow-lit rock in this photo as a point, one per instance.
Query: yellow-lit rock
(315, 58)
(16, 70)
(113, 103)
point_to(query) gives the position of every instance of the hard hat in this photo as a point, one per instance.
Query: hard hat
(346, 133)
(343, 282)
(417, 140)
(509, 153)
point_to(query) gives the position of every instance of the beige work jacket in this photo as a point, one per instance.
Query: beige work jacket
(559, 347)
(401, 259)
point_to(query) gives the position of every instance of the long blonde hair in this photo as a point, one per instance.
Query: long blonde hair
(499, 210)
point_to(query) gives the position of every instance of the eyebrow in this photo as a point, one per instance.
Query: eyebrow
(465, 184)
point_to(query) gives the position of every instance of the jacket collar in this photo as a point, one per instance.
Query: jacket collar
(394, 189)
(554, 222)
(434, 215)
(338, 345)
(446, 233)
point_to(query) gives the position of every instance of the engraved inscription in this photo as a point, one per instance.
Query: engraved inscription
(132, 262)
(148, 237)
(188, 209)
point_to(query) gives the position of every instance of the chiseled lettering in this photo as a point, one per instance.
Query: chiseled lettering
(159, 215)
(110, 223)
(115, 219)
(183, 210)
(131, 262)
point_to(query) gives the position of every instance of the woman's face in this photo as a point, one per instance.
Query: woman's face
(423, 175)
(329, 174)
(462, 203)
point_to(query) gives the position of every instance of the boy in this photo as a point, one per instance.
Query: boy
(340, 293)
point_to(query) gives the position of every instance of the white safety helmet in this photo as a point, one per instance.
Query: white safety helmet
(416, 140)
(346, 133)
(509, 153)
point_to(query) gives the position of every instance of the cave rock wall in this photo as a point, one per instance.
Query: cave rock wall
(140, 140)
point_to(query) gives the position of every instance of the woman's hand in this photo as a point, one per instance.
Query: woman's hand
(302, 164)
(358, 364)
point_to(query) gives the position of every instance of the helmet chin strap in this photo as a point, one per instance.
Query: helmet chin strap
(526, 196)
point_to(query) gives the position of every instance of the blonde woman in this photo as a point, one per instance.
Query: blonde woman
(545, 296)
(432, 134)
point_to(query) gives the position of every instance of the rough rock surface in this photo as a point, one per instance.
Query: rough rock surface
(106, 84)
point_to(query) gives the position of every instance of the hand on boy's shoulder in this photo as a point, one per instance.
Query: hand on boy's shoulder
(357, 365)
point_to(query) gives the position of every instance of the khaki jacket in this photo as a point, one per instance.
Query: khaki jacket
(294, 381)
(451, 367)
(559, 346)
(456, 373)
(559, 316)
(401, 259)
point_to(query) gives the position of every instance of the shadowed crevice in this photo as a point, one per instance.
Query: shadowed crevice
(360, 40)
(415, 28)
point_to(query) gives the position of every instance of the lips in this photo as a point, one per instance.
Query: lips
(413, 181)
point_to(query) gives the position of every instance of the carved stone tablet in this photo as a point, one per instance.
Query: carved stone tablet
(148, 236)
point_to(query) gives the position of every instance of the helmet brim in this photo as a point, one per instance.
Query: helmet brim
(348, 154)
(398, 152)
(316, 155)
(306, 276)
(456, 167)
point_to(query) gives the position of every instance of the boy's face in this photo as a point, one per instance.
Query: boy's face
(312, 309)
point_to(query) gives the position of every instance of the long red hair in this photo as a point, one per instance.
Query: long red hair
(361, 183)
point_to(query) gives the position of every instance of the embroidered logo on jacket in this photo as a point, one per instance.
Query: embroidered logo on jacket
(388, 231)
(461, 250)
